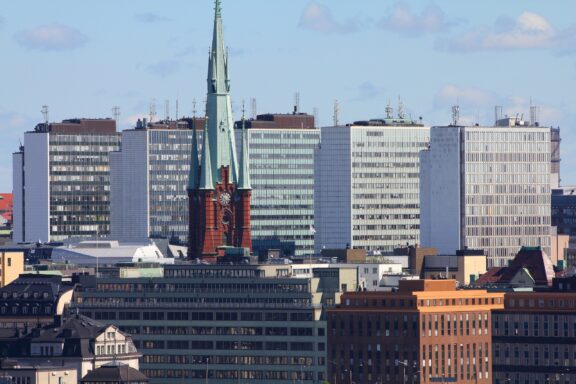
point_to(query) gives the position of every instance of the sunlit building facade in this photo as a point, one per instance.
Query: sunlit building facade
(367, 185)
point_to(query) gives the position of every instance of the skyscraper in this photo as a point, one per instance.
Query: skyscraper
(366, 184)
(61, 180)
(281, 150)
(486, 188)
(218, 187)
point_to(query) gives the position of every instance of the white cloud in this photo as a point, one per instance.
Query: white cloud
(54, 37)
(529, 30)
(318, 17)
(149, 17)
(403, 20)
(451, 94)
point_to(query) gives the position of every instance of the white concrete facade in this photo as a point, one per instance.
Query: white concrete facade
(486, 188)
(367, 186)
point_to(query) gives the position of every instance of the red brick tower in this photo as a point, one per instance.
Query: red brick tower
(219, 194)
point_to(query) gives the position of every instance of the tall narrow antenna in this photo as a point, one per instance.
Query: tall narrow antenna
(497, 114)
(455, 114)
(194, 108)
(296, 102)
(336, 112)
(152, 110)
(45, 113)
(243, 109)
(254, 110)
(389, 111)
(401, 113)
(533, 114)
(167, 109)
(177, 109)
(116, 114)
(316, 114)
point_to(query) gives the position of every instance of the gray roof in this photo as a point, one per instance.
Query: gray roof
(114, 373)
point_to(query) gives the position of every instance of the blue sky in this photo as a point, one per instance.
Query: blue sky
(81, 58)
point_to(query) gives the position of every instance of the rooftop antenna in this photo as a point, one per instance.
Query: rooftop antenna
(401, 113)
(152, 110)
(316, 115)
(533, 114)
(45, 113)
(389, 111)
(497, 113)
(167, 109)
(253, 105)
(336, 112)
(243, 109)
(176, 108)
(296, 102)
(194, 108)
(116, 113)
(455, 114)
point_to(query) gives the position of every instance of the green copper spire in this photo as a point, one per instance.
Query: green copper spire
(193, 175)
(244, 178)
(206, 180)
(218, 105)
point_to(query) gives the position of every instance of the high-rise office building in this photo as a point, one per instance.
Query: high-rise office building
(148, 180)
(61, 180)
(281, 148)
(486, 188)
(219, 186)
(366, 191)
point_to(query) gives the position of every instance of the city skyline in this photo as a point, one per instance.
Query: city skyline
(363, 54)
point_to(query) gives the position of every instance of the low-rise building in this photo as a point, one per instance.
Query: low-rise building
(74, 342)
(534, 336)
(11, 266)
(12, 372)
(425, 332)
(33, 300)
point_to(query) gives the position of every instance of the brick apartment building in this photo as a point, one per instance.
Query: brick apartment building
(426, 332)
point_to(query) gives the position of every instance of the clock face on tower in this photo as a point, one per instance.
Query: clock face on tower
(224, 198)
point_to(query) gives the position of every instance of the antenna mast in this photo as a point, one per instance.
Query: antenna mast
(167, 109)
(533, 113)
(401, 113)
(497, 113)
(336, 112)
(455, 114)
(296, 102)
(389, 111)
(253, 104)
(152, 110)
(176, 109)
(45, 113)
(316, 115)
(116, 113)
(194, 108)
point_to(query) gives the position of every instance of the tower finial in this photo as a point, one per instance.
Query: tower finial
(217, 8)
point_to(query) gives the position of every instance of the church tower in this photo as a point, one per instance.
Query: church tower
(218, 187)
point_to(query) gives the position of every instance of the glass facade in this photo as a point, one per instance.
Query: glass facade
(169, 164)
(80, 184)
(506, 192)
(282, 176)
(386, 186)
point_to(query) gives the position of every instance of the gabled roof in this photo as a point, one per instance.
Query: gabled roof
(114, 373)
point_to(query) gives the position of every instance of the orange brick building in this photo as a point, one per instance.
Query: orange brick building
(426, 332)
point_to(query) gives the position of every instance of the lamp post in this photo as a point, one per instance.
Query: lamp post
(404, 365)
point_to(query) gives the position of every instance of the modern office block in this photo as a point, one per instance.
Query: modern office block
(366, 191)
(148, 181)
(221, 323)
(62, 180)
(486, 188)
(281, 148)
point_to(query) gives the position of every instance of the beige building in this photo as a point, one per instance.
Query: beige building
(11, 265)
(38, 375)
(465, 267)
